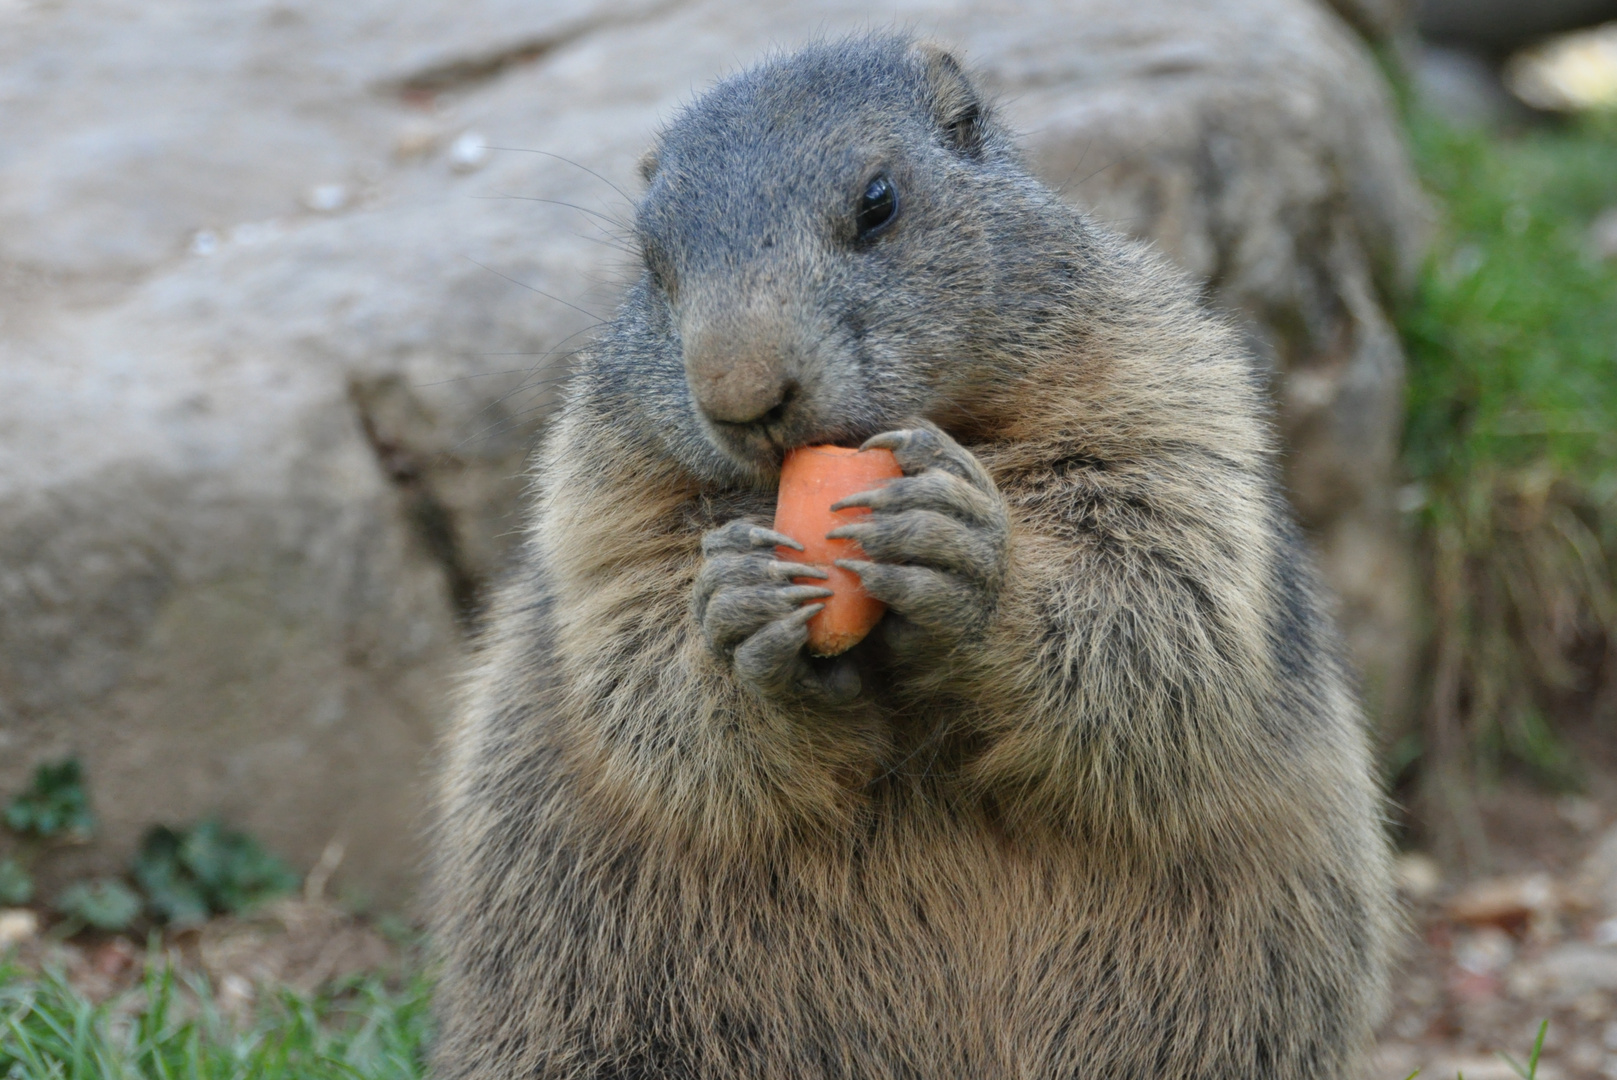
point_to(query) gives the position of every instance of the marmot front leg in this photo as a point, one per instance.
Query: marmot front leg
(938, 540)
(754, 617)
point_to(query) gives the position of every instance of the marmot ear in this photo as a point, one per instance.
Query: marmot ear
(957, 105)
(648, 165)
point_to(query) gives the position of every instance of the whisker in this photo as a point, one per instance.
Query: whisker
(570, 161)
(531, 288)
(608, 218)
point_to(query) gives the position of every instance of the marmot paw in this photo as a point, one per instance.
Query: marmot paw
(754, 617)
(938, 540)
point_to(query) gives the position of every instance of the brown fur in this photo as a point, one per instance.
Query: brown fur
(1126, 828)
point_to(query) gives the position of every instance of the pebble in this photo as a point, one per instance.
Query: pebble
(235, 995)
(1419, 876)
(17, 925)
(468, 153)
(1485, 952)
(326, 198)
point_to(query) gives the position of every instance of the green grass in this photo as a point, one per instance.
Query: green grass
(172, 1029)
(168, 1028)
(1529, 1071)
(1513, 333)
(1512, 440)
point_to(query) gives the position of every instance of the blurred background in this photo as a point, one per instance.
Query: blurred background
(285, 293)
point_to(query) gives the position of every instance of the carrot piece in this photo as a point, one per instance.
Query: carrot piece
(811, 479)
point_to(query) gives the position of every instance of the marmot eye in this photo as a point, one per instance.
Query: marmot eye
(877, 206)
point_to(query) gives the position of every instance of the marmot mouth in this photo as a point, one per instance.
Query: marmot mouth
(754, 443)
(747, 445)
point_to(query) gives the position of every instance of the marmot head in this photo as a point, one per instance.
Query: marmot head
(833, 243)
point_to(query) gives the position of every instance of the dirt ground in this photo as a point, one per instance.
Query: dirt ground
(1491, 958)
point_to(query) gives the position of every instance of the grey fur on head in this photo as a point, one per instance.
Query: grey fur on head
(1095, 799)
(749, 238)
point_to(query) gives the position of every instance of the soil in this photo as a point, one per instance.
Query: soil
(1531, 937)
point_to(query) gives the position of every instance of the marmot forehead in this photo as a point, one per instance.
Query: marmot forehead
(788, 147)
(821, 101)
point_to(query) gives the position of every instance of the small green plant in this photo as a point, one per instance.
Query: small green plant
(56, 808)
(188, 875)
(105, 903)
(16, 884)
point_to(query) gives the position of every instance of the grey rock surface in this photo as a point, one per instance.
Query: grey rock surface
(277, 326)
(1463, 87)
(1377, 20)
(1498, 26)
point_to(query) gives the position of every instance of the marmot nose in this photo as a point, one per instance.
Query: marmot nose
(742, 391)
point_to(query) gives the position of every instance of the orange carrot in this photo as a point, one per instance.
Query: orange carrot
(811, 479)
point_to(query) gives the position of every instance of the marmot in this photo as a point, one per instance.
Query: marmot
(1095, 800)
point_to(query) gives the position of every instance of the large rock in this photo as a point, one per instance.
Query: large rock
(1498, 26)
(1378, 20)
(277, 330)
